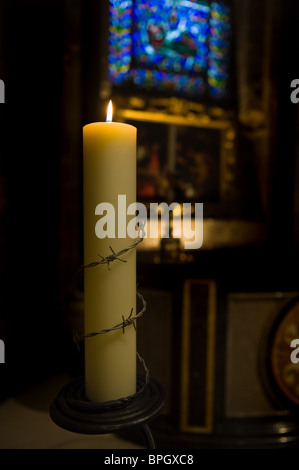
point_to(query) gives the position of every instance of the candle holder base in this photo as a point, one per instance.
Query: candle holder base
(71, 410)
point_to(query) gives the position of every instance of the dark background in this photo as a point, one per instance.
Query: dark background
(52, 60)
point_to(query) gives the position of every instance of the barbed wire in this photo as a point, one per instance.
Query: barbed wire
(116, 256)
(130, 320)
(122, 325)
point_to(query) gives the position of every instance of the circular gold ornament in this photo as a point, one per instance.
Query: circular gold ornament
(285, 365)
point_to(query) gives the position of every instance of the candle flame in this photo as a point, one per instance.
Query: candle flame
(109, 112)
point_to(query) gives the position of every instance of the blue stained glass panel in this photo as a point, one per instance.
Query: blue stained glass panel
(176, 45)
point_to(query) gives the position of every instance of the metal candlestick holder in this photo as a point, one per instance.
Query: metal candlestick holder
(73, 411)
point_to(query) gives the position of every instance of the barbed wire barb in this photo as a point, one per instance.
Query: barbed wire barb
(116, 256)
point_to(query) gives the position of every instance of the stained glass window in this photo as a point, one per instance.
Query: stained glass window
(181, 46)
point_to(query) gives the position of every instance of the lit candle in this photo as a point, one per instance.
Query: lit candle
(109, 169)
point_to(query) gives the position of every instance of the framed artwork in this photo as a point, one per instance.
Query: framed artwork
(183, 160)
(197, 164)
(152, 165)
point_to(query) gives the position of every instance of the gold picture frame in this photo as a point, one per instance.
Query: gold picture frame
(198, 356)
(178, 172)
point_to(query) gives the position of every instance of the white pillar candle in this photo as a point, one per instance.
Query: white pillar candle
(109, 170)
